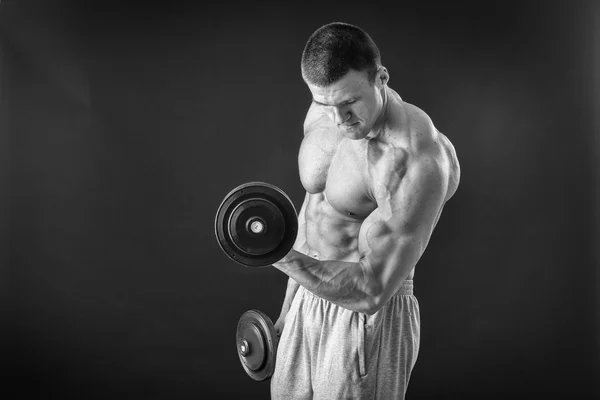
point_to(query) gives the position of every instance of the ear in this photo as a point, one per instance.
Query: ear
(383, 77)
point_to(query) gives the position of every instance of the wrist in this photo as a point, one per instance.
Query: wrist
(289, 257)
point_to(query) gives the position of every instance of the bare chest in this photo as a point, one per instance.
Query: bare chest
(338, 170)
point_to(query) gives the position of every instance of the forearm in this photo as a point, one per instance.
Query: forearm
(362, 286)
(346, 284)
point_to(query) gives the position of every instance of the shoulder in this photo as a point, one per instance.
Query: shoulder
(432, 148)
(415, 153)
(432, 155)
(315, 119)
(409, 137)
(413, 133)
(319, 129)
(416, 131)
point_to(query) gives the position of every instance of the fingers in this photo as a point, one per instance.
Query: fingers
(279, 327)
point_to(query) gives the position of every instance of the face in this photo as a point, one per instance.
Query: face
(353, 103)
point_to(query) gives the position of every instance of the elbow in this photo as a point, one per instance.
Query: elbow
(372, 291)
(370, 310)
(372, 307)
(374, 300)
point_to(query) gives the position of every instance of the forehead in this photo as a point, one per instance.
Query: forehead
(353, 84)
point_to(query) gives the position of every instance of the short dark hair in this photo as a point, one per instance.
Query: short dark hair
(335, 49)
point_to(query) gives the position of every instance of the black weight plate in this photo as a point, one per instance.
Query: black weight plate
(256, 226)
(264, 208)
(256, 342)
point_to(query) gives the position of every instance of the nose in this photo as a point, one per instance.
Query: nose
(340, 115)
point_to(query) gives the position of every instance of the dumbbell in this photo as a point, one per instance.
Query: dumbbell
(257, 342)
(256, 225)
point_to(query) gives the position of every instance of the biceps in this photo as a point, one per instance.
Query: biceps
(395, 235)
(378, 239)
(417, 202)
(375, 218)
(387, 255)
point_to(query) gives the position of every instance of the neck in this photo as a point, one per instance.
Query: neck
(380, 121)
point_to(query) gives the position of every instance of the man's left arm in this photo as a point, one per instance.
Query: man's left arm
(391, 241)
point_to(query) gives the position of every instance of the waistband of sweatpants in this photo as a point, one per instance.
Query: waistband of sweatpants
(406, 289)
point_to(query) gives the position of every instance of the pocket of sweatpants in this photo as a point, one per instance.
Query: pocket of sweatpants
(362, 344)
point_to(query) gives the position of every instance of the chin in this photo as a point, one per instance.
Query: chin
(356, 135)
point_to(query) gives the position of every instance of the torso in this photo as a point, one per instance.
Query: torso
(343, 176)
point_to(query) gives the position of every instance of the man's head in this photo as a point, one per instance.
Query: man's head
(341, 66)
(335, 49)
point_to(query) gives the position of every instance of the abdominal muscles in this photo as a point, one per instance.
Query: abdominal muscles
(330, 235)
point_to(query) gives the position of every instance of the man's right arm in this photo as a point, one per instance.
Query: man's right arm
(292, 286)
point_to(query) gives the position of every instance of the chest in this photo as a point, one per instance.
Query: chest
(338, 169)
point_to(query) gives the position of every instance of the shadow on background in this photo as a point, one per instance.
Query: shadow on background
(128, 124)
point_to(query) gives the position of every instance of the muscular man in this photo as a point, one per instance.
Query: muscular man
(377, 174)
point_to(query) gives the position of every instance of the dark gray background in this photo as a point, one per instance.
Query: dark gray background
(125, 124)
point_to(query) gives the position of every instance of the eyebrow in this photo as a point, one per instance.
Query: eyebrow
(333, 105)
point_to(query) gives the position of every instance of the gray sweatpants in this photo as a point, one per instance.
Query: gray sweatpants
(328, 352)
